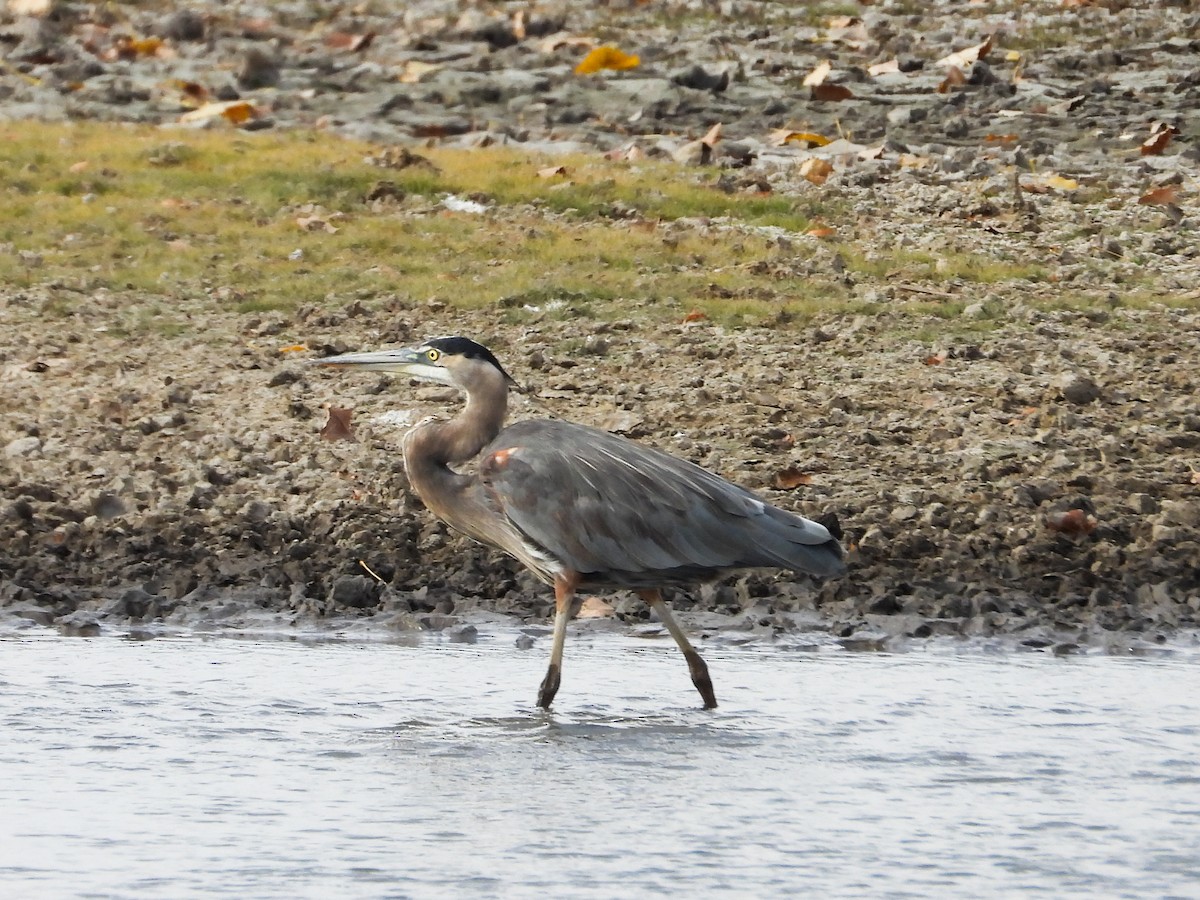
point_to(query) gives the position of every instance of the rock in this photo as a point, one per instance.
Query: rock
(26, 446)
(1181, 512)
(258, 70)
(356, 591)
(699, 79)
(79, 623)
(184, 25)
(1078, 389)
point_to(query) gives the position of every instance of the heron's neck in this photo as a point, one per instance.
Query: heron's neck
(430, 449)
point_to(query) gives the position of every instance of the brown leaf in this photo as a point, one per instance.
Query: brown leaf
(355, 43)
(935, 359)
(831, 93)
(821, 231)
(1157, 142)
(816, 170)
(1163, 196)
(954, 77)
(337, 427)
(695, 316)
(1073, 521)
(791, 477)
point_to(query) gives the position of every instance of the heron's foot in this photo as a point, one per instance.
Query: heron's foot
(550, 686)
(699, 672)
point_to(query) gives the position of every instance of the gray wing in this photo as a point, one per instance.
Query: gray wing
(634, 516)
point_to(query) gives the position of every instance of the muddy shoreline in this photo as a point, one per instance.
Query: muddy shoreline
(1040, 481)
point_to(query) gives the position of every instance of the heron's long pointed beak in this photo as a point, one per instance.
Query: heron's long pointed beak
(405, 360)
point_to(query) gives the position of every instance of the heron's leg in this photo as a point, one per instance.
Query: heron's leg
(696, 665)
(564, 597)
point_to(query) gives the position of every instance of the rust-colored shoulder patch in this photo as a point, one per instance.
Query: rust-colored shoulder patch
(496, 461)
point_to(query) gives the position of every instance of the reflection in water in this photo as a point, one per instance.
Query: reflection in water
(272, 769)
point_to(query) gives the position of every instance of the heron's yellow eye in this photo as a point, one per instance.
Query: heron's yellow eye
(432, 355)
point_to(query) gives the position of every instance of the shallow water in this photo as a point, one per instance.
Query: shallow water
(264, 768)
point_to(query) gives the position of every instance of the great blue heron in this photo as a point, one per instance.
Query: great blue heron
(583, 508)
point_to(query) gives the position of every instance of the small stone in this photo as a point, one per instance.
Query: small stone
(258, 70)
(185, 25)
(1143, 504)
(1078, 389)
(80, 623)
(355, 591)
(1181, 512)
(26, 446)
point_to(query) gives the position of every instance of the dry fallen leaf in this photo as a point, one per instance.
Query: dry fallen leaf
(954, 77)
(890, 67)
(235, 111)
(293, 348)
(594, 608)
(1163, 196)
(1073, 521)
(791, 477)
(415, 70)
(783, 136)
(552, 172)
(818, 75)
(831, 93)
(816, 170)
(606, 57)
(821, 231)
(337, 427)
(967, 56)
(1160, 136)
(355, 43)
(712, 135)
(695, 316)
(81, 166)
(194, 94)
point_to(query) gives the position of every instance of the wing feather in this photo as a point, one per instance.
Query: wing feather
(627, 513)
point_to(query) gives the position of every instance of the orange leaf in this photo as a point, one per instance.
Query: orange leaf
(695, 316)
(786, 136)
(821, 231)
(1163, 196)
(831, 93)
(606, 57)
(934, 359)
(791, 477)
(293, 348)
(337, 427)
(816, 170)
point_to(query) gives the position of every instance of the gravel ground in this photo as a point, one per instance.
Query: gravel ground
(1040, 482)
